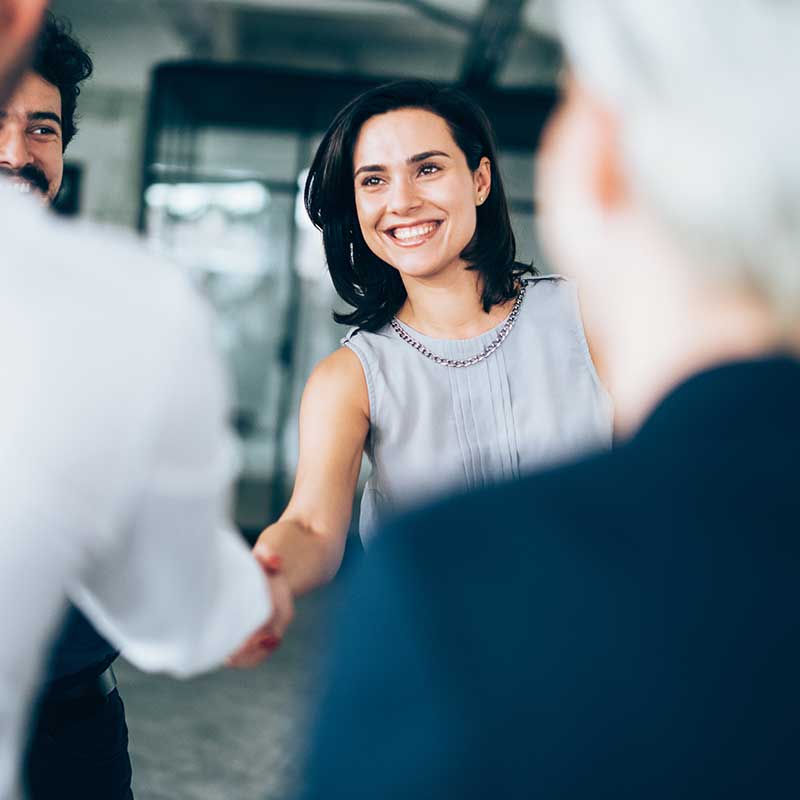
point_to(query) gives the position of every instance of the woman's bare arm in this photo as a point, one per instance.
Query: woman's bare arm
(311, 533)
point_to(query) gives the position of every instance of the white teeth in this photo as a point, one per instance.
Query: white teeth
(22, 187)
(415, 232)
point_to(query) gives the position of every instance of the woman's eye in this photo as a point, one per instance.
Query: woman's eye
(372, 180)
(429, 169)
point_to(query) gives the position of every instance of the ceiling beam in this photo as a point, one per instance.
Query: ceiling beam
(491, 38)
(440, 15)
(209, 31)
(224, 33)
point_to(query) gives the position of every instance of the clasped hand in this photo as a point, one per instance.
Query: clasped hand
(263, 643)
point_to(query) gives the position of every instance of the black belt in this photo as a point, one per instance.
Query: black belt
(93, 689)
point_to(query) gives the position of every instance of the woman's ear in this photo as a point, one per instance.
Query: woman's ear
(483, 181)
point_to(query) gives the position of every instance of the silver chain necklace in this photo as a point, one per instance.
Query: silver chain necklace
(505, 329)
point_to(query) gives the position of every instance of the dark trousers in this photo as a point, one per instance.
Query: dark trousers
(80, 750)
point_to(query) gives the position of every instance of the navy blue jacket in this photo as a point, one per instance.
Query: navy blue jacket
(623, 627)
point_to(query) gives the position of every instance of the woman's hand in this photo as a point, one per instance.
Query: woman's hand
(268, 637)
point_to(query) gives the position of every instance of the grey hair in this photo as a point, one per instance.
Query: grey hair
(707, 98)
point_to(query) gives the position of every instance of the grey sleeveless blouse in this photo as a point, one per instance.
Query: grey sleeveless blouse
(434, 429)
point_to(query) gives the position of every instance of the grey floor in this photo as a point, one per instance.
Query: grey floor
(233, 734)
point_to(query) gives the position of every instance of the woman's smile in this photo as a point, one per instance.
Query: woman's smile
(414, 234)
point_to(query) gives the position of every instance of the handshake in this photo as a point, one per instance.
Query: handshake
(266, 639)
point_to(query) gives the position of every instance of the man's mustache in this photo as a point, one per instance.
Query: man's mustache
(30, 173)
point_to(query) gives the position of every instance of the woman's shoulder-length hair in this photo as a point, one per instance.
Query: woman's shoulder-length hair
(372, 287)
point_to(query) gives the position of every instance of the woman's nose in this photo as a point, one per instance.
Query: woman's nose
(403, 197)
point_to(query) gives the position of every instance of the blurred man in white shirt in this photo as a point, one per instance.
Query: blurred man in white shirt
(78, 746)
(115, 454)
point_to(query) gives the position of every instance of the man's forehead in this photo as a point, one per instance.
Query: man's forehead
(33, 94)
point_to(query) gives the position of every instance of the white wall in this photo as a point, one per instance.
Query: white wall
(125, 40)
(108, 146)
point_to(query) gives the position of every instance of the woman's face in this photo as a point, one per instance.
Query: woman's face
(416, 196)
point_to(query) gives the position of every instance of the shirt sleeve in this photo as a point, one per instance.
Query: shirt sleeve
(179, 590)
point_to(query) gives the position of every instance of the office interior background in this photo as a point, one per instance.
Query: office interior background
(196, 129)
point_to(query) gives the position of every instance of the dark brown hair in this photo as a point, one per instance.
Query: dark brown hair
(371, 286)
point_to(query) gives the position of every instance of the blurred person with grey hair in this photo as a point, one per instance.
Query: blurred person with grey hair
(116, 456)
(625, 626)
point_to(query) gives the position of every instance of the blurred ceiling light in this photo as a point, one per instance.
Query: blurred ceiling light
(342, 6)
(189, 200)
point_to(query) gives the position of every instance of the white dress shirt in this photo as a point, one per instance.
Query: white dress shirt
(115, 460)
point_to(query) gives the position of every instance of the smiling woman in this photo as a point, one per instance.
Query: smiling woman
(407, 154)
(464, 367)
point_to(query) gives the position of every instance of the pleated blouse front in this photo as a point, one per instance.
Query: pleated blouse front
(435, 429)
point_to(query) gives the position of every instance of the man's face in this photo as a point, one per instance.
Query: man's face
(31, 152)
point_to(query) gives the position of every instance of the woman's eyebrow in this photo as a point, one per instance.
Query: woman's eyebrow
(411, 160)
(369, 168)
(427, 154)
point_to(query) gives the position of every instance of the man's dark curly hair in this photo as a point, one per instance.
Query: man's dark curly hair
(61, 60)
